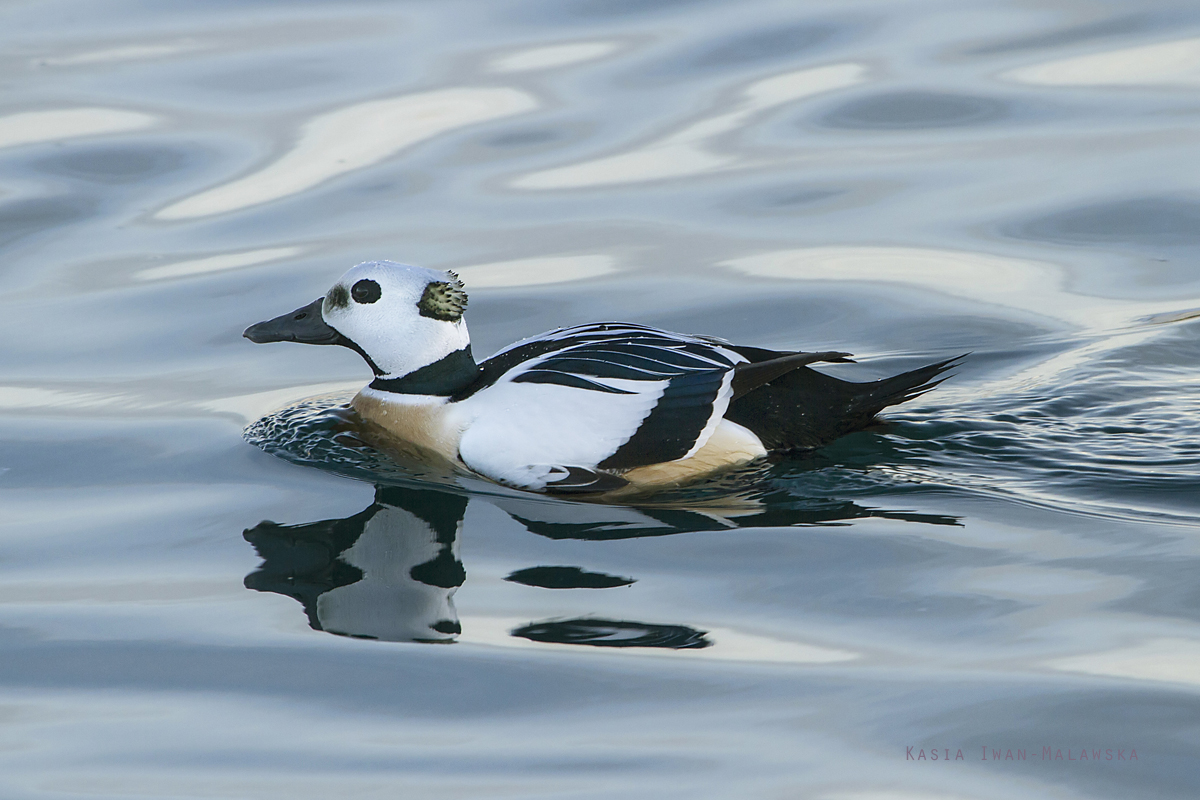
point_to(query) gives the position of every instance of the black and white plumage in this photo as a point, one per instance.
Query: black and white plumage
(589, 408)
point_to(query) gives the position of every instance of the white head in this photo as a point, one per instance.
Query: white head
(400, 317)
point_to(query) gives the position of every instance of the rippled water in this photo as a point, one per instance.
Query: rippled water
(1008, 564)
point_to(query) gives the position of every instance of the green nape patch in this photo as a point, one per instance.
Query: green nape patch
(444, 300)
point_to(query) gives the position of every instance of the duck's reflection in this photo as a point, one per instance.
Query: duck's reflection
(390, 572)
(613, 633)
(566, 578)
(562, 520)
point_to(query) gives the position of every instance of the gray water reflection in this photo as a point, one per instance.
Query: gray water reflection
(764, 45)
(20, 219)
(916, 109)
(115, 165)
(1150, 222)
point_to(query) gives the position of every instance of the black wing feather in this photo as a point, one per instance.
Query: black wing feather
(565, 379)
(748, 377)
(578, 363)
(614, 342)
(584, 357)
(673, 425)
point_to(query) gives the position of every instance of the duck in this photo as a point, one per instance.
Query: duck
(586, 409)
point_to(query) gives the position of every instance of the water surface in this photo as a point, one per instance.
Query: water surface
(1008, 564)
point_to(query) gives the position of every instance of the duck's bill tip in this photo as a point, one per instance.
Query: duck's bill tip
(260, 333)
(303, 325)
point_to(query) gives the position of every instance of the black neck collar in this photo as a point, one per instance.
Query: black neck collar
(442, 378)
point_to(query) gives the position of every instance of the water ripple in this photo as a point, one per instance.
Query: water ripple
(353, 138)
(691, 150)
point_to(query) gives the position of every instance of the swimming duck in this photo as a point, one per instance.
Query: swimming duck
(590, 408)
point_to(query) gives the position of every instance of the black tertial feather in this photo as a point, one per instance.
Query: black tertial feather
(674, 424)
(565, 379)
(667, 352)
(748, 377)
(602, 368)
(605, 350)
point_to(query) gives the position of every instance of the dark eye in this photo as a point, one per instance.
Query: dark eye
(365, 291)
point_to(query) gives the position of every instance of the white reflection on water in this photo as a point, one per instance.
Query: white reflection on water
(109, 55)
(536, 271)
(116, 590)
(1174, 63)
(116, 400)
(226, 261)
(34, 127)
(251, 406)
(354, 137)
(691, 151)
(40, 399)
(555, 55)
(1035, 286)
(1167, 659)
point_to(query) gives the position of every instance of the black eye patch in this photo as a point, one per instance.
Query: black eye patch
(366, 291)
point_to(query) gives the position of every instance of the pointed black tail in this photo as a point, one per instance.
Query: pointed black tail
(805, 409)
(905, 386)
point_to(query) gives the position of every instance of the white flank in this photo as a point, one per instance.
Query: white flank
(352, 138)
(519, 426)
(32, 127)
